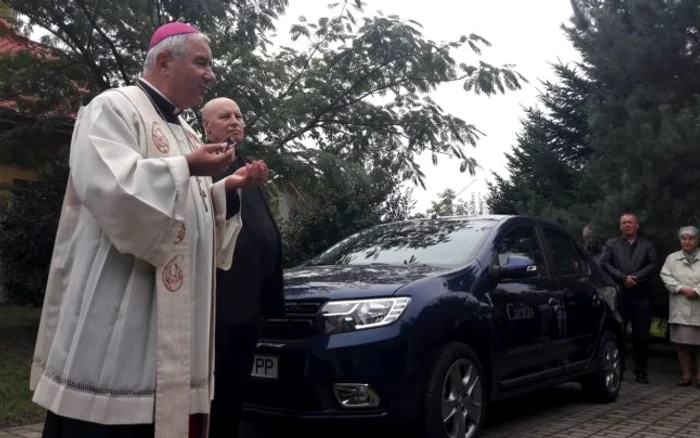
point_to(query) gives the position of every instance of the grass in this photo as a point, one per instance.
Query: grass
(18, 327)
(658, 328)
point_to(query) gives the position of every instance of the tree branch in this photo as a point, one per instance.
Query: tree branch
(382, 127)
(77, 46)
(367, 94)
(311, 55)
(314, 121)
(331, 107)
(113, 49)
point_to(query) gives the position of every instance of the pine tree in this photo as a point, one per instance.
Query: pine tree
(643, 57)
(620, 132)
(545, 165)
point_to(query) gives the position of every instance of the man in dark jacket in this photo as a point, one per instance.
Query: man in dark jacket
(631, 261)
(252, 290)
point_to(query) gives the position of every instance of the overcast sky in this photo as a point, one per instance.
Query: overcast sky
(525, 33)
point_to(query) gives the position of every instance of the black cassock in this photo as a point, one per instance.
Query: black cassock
(61, 427)
(249, 292)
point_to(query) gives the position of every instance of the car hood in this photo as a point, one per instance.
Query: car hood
(348, 282)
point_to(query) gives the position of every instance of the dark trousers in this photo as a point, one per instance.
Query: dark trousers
(637, 311)
(57, 426)
(235, 347)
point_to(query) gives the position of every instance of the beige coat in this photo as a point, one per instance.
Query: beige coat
(677, 272)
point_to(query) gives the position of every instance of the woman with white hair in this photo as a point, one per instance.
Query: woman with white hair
(681, 275)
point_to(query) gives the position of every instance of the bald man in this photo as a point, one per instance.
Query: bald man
(252, 289)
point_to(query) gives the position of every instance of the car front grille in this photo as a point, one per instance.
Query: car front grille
(301, 322)
(279, 395)
(302, 307)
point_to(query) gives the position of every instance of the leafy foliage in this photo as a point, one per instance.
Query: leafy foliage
(28, 227)
(620, 132)
(333, 208)
(643, 111)
(545, 167)
(360, 92)
(343, 118)
(447, 204)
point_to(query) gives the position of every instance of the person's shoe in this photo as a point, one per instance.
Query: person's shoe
(685, 382)
(642, 378)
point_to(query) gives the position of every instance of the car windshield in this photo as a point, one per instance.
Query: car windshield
(440, 242)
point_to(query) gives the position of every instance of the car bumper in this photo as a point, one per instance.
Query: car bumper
(385, 358)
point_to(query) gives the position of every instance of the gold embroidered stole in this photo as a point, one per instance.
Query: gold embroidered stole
(173, 288)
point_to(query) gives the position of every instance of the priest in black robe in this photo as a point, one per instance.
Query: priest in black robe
(252, 290)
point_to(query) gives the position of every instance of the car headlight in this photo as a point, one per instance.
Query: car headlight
(347, 316)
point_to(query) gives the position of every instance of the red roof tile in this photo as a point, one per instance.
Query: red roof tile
(12, 42)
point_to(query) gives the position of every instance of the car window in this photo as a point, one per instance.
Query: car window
(521, 241)
(568, 260)
(439, 242)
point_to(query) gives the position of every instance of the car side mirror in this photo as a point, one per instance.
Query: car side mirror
(516, 267)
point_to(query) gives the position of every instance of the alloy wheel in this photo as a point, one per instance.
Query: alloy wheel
(612, 366)
(462, 399)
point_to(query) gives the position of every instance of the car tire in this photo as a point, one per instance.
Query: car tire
(455, 394)
(603, 385)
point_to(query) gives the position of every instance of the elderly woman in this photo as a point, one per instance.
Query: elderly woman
(681, 275)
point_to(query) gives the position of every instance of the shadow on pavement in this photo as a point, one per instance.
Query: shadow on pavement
(534, 404)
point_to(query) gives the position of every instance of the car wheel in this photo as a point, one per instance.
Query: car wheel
(455, 395)
(603, 386)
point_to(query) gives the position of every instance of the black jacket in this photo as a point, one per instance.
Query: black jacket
(621, 259)
(254, 286)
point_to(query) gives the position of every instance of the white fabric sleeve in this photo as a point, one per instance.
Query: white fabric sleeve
(140, 203)
(226, 230)
(667, 277)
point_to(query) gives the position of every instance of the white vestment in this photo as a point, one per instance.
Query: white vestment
(126, 332)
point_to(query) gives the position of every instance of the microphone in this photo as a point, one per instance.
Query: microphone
(230, 143)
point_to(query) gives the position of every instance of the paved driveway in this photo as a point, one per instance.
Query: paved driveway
(658, 410)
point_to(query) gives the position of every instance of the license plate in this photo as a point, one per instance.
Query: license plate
(265, 367)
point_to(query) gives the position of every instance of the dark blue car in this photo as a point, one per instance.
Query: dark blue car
(429, 321)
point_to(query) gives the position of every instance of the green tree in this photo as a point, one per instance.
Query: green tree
(357, 94)
(629, 141)
(476, 205)
(447, 204)
(335, 207)
(320, 96)
(28, 231)
(545, 167)
(643, 57)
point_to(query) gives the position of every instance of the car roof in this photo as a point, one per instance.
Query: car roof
(481, 218)
(486, 219)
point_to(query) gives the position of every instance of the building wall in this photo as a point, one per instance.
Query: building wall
(8, 174)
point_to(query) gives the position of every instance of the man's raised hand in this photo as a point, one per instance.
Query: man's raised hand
(209, 159)
(252, 174)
